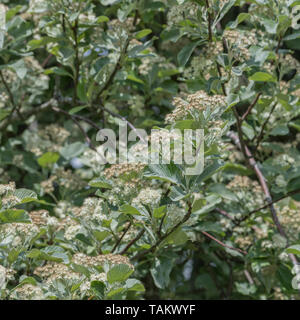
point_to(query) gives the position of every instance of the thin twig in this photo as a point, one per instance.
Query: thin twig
(122, 236)
(77, 61)
(248, 276)
(266, 191)
(73, 118)
(240, 132)
(267, 205)
(11, 96)
(223, 244)
(220, 75)
(124, 119)
(161, 239)
(45, 62)
(93, 124)
(261, 134)
(224, 213)
(28, 113)
(244, 116)
(161, 224)
(209, 16)
(133, 241)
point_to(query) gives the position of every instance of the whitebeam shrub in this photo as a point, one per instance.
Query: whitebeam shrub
(72, 227)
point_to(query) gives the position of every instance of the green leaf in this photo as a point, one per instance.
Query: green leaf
(14, 254)
(39, 43)
(237, 168)
(177, 193)
(280, 130)
(115, 294)
(72, 150)
(40, 255)
(270, 25)
(134, 78)
(165, 172)
(81, 91)
(80, 269)
(101, 183)
(101, 235)
(108, 2)
(26, 280)
(295, 125)
(248, 130)
(77, 109)
(214, 167)
(185, 53)
(98, 288)
(58, 71)
(262, 76)
(160, 271)
(284, 22)
(240, 18)
(134, 285)
(245, 288)
(102, 19)
(128, 209)
(120, 272)
(25, 195)
(143, 33)
(48, 158)
(11, 12)
(20, 68)
(177, 237)
(4, 114)
(160, 212)
(227, 6)
(221, 190)
(294, 249)
(11, 216)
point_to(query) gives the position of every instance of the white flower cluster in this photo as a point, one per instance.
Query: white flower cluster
(199, 101)
(240, 42)
(180, 12)
(7, 188)
(148, 196)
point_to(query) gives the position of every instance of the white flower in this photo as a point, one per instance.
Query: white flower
(72, 231)
(148, 196)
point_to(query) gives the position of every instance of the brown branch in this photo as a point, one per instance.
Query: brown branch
(28, 113)
(133, 241)
(118, 65)
(248, 276)
(124, 119)
(267, 205)
(209, 16)
(224, 213)
(45, 62)
(220, 75)
(93, 124)
(251, 107)
(73, 118)
(161, 239)
(161, 224)
(122, 236)
(76, 61)
(240, 133)
(278, 45)
(223, 244)
(261, 134)
(11, 96)
(265, 188)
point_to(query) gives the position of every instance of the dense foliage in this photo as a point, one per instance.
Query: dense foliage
(73, 228)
